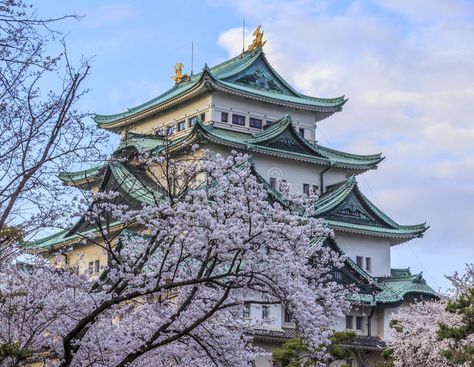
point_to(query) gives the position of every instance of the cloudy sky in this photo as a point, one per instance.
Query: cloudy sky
(406, 66)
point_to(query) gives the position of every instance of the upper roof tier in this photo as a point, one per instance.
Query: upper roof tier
(248, 75)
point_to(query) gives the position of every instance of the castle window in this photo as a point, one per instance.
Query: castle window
(306, 189)
(170, 130)
(349, 321)
(265, 312)
(368, 264)
(203, 117)
(360, 261)
(192, 121)
(246, 310)
(359, 322)
(94, 267)
(338, 275)
(238, 120)
(273, 183)
(224, 117)
(288, 316)
(181, 125)
(315, 189)
(301, 132)
(256, 123)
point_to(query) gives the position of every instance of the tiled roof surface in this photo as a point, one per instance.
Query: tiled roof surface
(261, 142)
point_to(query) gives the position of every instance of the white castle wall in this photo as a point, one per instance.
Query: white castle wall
(296, 173)
(242, 106)
(193, 107)
(378, 249)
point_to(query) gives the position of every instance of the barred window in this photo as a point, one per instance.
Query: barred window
(224, 117)
(265, 312)
(257, 123)
(349, 321)
(238, 120)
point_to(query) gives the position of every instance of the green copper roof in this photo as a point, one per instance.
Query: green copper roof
(79, 178)
(345, 208)
(396, 288)
(249, 75)
(400, 271)
(279, 139)
(132, 184)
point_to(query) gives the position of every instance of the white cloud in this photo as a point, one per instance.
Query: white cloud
(407, 70)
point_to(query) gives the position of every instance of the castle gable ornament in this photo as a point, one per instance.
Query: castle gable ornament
(258, 41)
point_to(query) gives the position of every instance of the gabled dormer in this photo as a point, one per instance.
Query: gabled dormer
(346, 209)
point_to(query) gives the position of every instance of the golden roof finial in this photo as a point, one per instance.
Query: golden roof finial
(258, 39)
(178, 76)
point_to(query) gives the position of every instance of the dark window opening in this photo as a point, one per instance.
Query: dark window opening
(338, 275)
(360, 261)
(224, 117)
(192, 121)
(306, 189)
(301, 132)
(288, 316)
(256, 123)
(238, 120)
(368, 264)
(181, 125)
(247, 310)
(273, 182)
(359, 322)
(265, 312)
(349, 320)
(203, 117)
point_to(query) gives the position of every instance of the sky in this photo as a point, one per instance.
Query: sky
(406, 67)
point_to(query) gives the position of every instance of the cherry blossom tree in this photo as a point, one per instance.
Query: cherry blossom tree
(437, 333)
(182, 267)
(43, 133)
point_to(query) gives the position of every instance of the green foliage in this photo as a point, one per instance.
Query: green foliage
(387, 355)
(396, 325)
(9, 234)
(459, 352)
(12, 350)
(338, 339)
(294, 352)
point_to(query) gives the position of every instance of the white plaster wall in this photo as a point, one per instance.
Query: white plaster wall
(377, 248)
(339, 322)
(387, 315)
(295, 172)
(195, 106)
(265, 111)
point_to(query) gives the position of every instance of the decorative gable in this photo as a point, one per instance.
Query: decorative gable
(352, 209)
(287, 141)
(259, 76)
